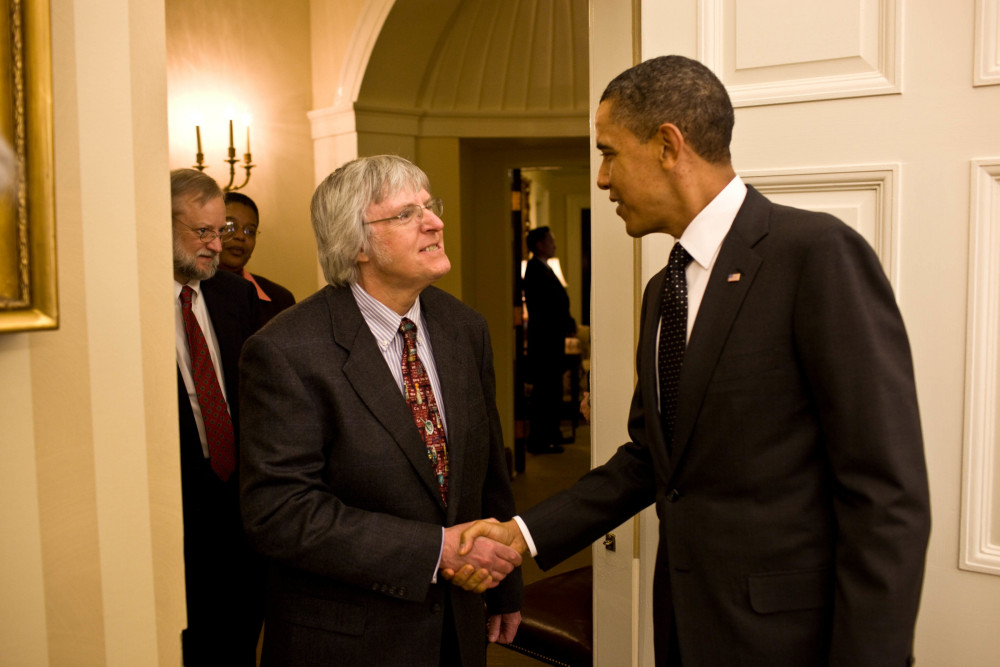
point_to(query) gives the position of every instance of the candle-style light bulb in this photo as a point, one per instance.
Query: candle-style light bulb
(246, 124)
(197, 131)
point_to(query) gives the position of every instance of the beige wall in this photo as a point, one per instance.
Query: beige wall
(251, 55)
(333, 28)
(92, 572)
(439, 158)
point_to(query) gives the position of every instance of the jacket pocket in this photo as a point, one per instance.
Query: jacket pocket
(329, 615)
(736, 366)
(789, 591)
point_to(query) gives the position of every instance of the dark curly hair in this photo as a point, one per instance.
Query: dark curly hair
(678, 90)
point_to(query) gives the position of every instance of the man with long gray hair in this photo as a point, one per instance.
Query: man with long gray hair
(371, 437)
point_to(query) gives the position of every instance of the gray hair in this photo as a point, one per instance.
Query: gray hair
(191, 184)
(678, 90)
(339, 205)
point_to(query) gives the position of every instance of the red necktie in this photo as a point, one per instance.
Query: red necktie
(215, 414)
(420, 399)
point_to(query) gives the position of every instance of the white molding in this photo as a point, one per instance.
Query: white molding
(882, 179)
(882, 77)
(505, 124)
(359, 50)
(335, 121)
(980, 545)
(331, 122)
(987, 47)
(388, 121)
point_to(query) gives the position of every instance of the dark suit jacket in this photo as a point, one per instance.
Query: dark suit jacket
(549, 321)
(339, 495)
(223, 578)
(280, 297)
(793, 509)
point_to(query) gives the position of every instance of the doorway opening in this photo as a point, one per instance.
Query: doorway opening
(551, 355)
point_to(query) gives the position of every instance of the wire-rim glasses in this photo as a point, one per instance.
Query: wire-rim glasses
(207, 234)
(413, 212)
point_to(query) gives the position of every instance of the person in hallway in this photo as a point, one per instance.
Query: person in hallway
(215, 313)
(549, 322)
(242, 211)
(371, 438)
(774, 421)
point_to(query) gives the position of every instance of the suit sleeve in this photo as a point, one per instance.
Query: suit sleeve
(856, 357)
(605, 497)
(289, 511)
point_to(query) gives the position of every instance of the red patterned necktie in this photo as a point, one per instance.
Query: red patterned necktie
(420, 399)
(214, 413)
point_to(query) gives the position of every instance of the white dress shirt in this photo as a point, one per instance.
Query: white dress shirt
(384, 325)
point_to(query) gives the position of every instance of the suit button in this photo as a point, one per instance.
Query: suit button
(673, 496)
(435, 608)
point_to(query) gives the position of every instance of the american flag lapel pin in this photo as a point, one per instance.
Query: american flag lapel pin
(734, 277)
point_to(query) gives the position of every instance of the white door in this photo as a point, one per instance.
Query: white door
(884, 113)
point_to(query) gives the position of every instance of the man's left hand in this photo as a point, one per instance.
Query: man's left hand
(501, 628)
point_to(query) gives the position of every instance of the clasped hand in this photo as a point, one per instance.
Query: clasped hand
(478, 555)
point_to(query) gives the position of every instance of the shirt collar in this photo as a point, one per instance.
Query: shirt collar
(703, 237)
(193, 284)
(383, 320)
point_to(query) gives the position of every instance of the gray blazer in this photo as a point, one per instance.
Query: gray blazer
(338, 494)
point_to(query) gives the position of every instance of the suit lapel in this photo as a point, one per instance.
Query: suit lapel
(225, 319)
(719, 306)
(453, 374)
(366, 371)
(650, 378)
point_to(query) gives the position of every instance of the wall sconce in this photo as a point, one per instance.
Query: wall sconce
(247, 164)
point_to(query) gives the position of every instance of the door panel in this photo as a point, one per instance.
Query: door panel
(878, 112)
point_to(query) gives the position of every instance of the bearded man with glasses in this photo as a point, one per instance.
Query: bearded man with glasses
(215, 312)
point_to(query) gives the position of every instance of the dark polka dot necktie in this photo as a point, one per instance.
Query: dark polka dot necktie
(421, 401)
(673, 336)
(214, 412)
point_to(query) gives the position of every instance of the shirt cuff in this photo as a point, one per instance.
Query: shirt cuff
(526, 534)
(434, 579)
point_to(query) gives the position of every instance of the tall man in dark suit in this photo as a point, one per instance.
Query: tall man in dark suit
(371, 434)
(549, 322)
(215, 313)
(237, 250)
(774, 421)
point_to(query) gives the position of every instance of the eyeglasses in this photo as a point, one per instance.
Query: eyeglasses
(413, 212)
(247, 232)
(207, 234)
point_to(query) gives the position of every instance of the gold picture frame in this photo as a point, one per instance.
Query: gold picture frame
(28, 279)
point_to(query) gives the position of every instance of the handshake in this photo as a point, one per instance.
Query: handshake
(479, 554)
